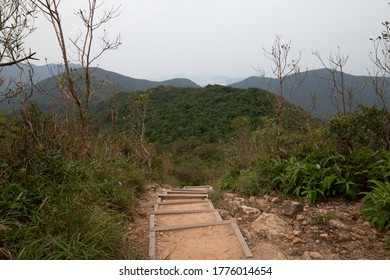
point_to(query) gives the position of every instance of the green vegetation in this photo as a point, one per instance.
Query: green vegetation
(377, 204)
(69, 196)
(181, 114)
(348, 156)
(61, 200)
(192, 130)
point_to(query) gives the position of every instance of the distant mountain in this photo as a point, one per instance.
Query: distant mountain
(106, 83)
(316, 86)
(215, 79)
(40, 72)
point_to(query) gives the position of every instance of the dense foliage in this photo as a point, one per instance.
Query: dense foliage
(348, 156)
(62, 196)
(176, 114)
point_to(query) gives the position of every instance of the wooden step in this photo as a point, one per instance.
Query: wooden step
(183, 202)
(188, 226)
(183, 212)
(181, 196)
(181, 191)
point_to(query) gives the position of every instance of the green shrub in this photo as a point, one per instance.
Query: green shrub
(230, 179)
(315, 179)
(376, 207)
(366, 126)
(256, 179)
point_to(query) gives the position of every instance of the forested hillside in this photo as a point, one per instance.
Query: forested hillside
(208, 114)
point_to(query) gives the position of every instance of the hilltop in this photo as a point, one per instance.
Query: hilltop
(106, 83)
(318, 84)
(205, 113)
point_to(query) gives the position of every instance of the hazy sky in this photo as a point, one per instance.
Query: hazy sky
(192, 38)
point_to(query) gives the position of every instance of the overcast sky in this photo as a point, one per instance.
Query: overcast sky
(193, 38)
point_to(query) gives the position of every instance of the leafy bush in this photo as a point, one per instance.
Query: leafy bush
(376, 207)
(230, 179)
(315, 179)
(256, 179)
(367, 126)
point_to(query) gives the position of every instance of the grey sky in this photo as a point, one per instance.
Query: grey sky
(192, 38)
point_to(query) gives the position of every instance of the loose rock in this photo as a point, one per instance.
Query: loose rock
(270, 225)
(336, 224)
(249, 212)
(297, 241)
(291, 208)
(312, 256)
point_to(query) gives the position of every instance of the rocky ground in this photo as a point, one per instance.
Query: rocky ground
(278, 229)
(286, 229)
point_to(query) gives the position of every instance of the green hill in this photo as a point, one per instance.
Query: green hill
(203, 113)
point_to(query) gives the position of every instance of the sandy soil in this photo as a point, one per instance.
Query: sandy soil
(361, 242)
(200, 243)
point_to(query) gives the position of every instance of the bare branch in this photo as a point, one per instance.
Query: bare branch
(30, 56)
(282, 68)
(16, 23)
(77, 86)
(341, 94)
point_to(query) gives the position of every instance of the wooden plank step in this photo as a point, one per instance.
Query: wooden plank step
(183, 202)
(180, 196)
(196, 187)
(152, 234)
(180, 191)
(183, 212)
(179, 227)
(242, 241)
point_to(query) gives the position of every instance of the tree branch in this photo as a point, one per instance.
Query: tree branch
(30, 56)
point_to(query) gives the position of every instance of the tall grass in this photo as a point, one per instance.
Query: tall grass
(63, 196)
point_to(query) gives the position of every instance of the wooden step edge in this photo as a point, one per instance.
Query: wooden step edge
(189, 226)
(183, 202)
(183, 212)
(187, 191)
(197, 187)
(240, 237)
(178, 196)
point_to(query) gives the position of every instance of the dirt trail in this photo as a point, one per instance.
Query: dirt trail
(185, 226)
(332, 230)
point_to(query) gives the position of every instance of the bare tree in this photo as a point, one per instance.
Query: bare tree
(282, 68)
(16, 23)
(381, 60)
(69, 82)
(342, 93)
(140, 109)
(379, 76)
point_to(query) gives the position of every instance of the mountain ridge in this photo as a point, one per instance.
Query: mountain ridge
(107, 83)
(314, 93)
(317, 86)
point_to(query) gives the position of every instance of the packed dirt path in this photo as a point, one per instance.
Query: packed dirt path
(185, 226)
(272, 228)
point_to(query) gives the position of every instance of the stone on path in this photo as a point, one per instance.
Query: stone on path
(270, 226)
(291, 208)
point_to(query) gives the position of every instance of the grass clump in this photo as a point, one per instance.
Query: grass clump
(66, 197)
(376, 207)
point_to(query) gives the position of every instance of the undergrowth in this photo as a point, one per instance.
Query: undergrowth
(346, 157)
(63, 196)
